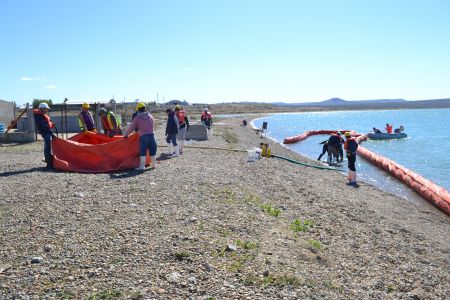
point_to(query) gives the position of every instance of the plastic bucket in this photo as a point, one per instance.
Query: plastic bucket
(252, 155)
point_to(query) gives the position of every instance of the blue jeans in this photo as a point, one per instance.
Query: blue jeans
(171, 138)
(147, 141)
(47, 146)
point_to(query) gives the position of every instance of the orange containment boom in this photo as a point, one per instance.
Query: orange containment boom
(435, 194)
(430, 191)
(306, 134)
(96, 153)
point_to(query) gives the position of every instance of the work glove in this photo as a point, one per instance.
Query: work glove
(85, 131)
(94, 130)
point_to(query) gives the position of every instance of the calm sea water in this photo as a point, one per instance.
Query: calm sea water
(426, 150)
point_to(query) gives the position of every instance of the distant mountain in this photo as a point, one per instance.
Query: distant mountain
(337, 103)
(341, 102)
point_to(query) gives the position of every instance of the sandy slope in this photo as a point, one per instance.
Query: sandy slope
(163, 234)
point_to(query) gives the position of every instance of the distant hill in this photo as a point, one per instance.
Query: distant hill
(377, 103)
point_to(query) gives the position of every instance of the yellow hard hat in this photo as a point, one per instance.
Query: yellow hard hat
(85, 105)
(347, 134)
(140, 105)
(177, 107)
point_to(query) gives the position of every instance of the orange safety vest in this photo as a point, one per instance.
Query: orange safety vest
(180, 115)
(389, 129)
(206, 116)
(46, 118)
(107, 123)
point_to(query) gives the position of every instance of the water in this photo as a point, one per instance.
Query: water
(426, 150)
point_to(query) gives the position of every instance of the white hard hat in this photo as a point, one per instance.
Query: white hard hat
(43, 105)
(205, 109)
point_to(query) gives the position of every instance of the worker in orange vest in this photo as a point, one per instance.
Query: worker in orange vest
(44, 126)
(206, 118)
(388, 128)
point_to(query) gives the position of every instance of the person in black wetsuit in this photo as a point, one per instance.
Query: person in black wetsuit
(335, 147)
(324, 149)
(376, 130)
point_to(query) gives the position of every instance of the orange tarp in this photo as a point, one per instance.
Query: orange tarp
(96, 153)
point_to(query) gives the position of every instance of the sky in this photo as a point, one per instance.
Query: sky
(211, 51)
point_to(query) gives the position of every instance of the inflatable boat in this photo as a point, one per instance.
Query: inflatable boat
(386, 136)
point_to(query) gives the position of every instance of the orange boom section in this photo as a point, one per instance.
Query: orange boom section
(435, 194)
(430, 191)
(96, 153)
(306, 134)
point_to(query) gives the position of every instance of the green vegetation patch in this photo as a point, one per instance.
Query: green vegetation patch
(315, 244)
(230, 136)
(181, 255)
(298, 226)
(105, 295)
(271, 280)
(269, 209)
(226, 195)
(247, 245)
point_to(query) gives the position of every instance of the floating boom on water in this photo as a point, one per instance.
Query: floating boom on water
(435, 194)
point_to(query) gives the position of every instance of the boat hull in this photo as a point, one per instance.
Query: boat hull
(386, 136)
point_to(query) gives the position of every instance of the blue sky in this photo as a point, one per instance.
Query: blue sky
(221, 51)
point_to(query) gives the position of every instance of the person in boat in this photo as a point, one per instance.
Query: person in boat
(376, 130)
(350, 147)
(183, 122)
(324, 149)
(206, 118)
(145, 124)
(44, 126)
(110, 123)
(399, 130)
(172, 127)
(389, 128)
(85, 119)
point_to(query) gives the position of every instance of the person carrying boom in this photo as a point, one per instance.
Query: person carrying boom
(111, 124)
(85, 119)
(145, 124)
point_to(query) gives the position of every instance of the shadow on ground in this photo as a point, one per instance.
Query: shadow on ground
(19, 172)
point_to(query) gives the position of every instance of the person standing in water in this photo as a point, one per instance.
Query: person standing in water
(350, 147)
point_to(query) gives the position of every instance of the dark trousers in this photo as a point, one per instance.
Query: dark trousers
(351, 162)
(171, 138)
(147, 141)
(47, 147)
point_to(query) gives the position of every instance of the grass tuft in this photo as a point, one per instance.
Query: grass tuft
(298, 226)
(275, 212)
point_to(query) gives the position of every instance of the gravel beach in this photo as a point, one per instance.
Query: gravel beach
(210, 225)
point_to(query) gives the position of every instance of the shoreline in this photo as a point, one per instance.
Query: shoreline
(211, 224)
(374, 178)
